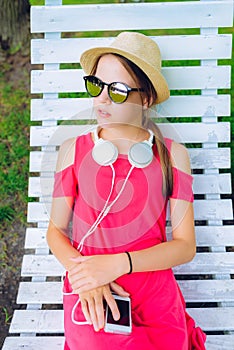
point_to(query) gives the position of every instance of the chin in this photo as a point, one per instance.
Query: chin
(104, 123)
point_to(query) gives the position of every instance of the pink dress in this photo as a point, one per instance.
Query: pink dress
(136, 221)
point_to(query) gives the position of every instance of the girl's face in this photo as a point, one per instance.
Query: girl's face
(109, 69)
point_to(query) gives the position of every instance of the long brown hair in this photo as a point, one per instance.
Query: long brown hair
(143, 82)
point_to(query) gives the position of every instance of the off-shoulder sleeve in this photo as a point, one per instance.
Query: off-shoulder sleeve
(182, 185)
(65, 183)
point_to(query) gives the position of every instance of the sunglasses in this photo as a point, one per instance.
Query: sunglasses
(118, 92)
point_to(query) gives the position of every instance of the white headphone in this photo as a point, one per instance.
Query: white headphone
(105, 153)
(140, 154)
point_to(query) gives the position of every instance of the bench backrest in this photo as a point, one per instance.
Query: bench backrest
(187, 34)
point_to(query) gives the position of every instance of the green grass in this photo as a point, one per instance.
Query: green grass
(14, 147)
(14, 151)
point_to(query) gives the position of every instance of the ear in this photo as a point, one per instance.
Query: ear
(147, 102)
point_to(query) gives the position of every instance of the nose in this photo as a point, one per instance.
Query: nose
(104, 96)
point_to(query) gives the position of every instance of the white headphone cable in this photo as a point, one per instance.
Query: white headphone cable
(74, 308)
(106, 208)
(95, 224)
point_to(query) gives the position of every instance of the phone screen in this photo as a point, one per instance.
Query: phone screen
(123, 306)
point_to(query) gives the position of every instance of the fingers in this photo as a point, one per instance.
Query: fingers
(85, 310)
(90, 272)
(119, 290)
(80, 281)
(92, 304)
(81, 277)
(82, 285)
(80, 259)
(93, 309)
(112, 305)
(97, 314)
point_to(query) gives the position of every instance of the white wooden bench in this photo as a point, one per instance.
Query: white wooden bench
(208, 287)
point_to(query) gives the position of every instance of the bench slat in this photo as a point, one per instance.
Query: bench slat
(40, 293)
(213, 209)
(191, 14)
(37, 321)
(214, 319)
(202, 184)
(200, 158)
(193, 291)
(215, 235)
(207, 236)
(176, 106)
(220, 183)
(212, 236)
(218, 342)
(209, 158)
(171, 47)
(51, 321)
(35, 238)
(179, 132)
(213, 342)
(203, 263)
(207, 290)
(34, 343)
(178, 78)
(203, 210)
(41, 265)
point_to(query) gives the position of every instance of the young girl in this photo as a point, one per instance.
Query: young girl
(116, 184)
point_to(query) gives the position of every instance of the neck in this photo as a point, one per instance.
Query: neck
(123, 132)
(123, 136)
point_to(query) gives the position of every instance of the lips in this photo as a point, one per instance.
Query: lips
(103, 114)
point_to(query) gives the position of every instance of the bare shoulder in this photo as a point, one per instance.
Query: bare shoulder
(180, 157)
(66, 155)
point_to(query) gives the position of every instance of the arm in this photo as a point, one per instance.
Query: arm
(57, 236)
(182, 248)
(176, 252)
(100, 269)
(60, 245)
(61, 211)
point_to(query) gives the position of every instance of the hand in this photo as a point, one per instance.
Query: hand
(91, 272)
(92, 304)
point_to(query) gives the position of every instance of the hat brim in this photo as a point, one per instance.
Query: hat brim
(90, 57)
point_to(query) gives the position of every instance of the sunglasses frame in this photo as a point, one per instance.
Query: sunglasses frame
(103, 84)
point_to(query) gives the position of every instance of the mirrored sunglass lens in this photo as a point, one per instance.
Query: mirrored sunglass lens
(93, 87)
(118, 92)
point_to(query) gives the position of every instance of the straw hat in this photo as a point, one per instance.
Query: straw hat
(138, 48)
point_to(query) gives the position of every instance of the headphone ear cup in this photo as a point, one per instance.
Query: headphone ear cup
(140, 155)
(104, 152)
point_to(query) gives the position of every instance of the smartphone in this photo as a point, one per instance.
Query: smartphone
(124, 324)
